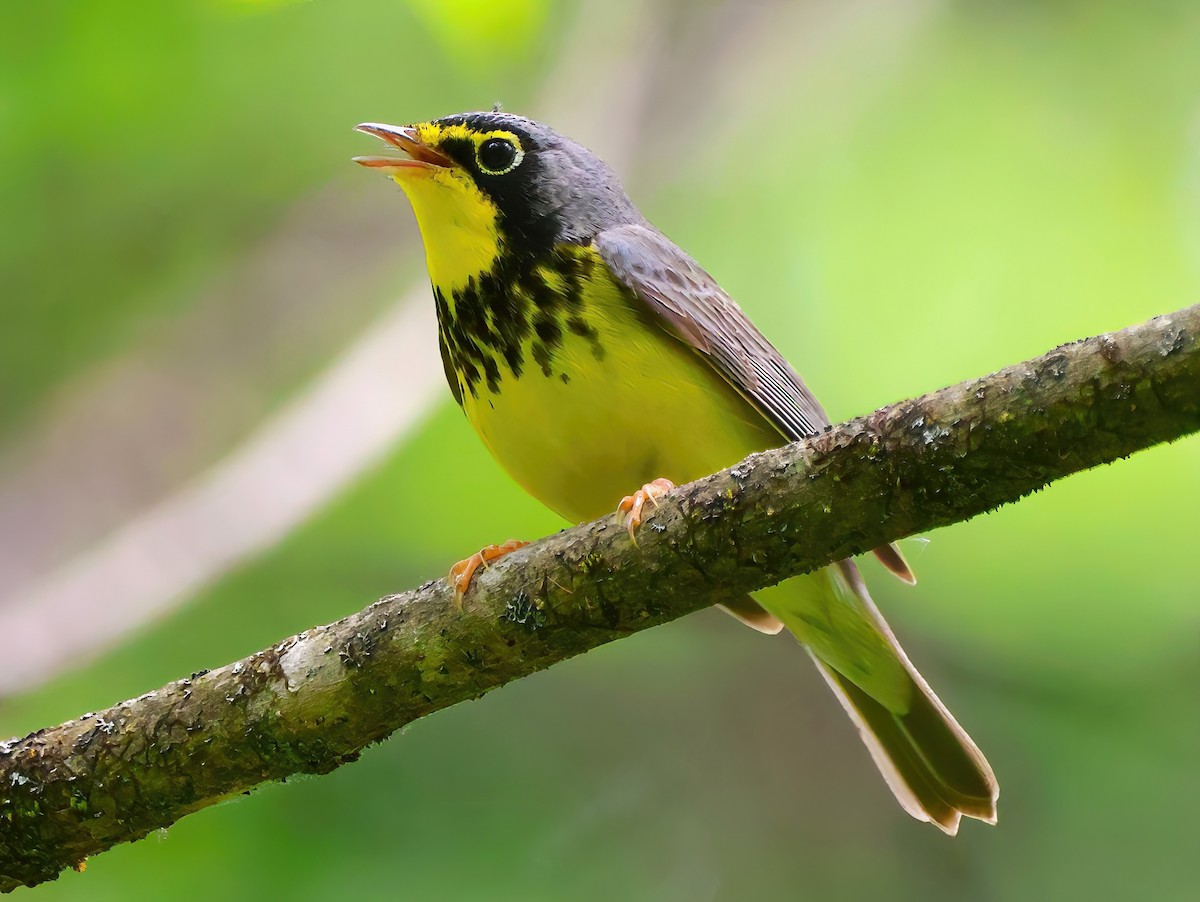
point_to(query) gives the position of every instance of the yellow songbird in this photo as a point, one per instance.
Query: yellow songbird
(569, 325)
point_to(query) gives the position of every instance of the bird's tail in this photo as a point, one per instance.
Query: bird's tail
(930, 763)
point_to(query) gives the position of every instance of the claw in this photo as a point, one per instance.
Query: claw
(629, 511)
(463, 572)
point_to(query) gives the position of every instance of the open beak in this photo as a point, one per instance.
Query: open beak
(417, 157)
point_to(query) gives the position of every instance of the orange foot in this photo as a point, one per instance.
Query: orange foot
(629, 511)
(463, 572)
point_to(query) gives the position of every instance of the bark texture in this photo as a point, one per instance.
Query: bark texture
(313, 701)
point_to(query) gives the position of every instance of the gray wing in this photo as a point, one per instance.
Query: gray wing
(693, 307)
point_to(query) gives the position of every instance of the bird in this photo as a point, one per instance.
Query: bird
(599, 363)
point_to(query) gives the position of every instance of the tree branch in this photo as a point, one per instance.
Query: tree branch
(315, 700)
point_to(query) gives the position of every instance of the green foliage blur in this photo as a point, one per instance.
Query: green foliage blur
(902, 194)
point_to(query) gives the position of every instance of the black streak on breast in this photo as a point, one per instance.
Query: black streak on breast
(489, 325)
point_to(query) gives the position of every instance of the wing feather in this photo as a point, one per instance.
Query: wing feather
(692, 306)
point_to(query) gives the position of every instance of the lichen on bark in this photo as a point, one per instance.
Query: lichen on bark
(315, 700)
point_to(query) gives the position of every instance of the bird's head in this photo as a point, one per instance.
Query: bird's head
(486, 184)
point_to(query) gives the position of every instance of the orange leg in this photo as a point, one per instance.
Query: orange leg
(463, 572)
(629, 511)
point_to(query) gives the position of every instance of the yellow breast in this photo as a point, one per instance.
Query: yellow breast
(619, 403)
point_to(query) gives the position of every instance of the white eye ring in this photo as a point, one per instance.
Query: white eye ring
(517, 156)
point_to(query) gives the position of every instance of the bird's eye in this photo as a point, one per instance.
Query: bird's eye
(498, 155)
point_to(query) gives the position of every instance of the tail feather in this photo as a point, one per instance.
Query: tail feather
(754, 615)
(892, 558)
(932, 767)
(930, 763)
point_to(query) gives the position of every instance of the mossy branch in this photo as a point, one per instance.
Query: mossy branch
(315, 700)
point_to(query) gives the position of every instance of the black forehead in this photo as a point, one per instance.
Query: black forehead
(532, 134)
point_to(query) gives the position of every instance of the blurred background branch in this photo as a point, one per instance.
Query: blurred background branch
(165, 518)
(376, 391)
(314, 701)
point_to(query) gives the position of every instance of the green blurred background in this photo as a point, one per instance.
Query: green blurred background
(902, 193)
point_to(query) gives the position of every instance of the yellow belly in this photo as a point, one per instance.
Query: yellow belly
(648, 407)
(651, 407)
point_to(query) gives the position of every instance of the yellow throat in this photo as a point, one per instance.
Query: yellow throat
(459, 224)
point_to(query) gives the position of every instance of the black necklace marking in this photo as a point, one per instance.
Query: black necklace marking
(520, 307)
